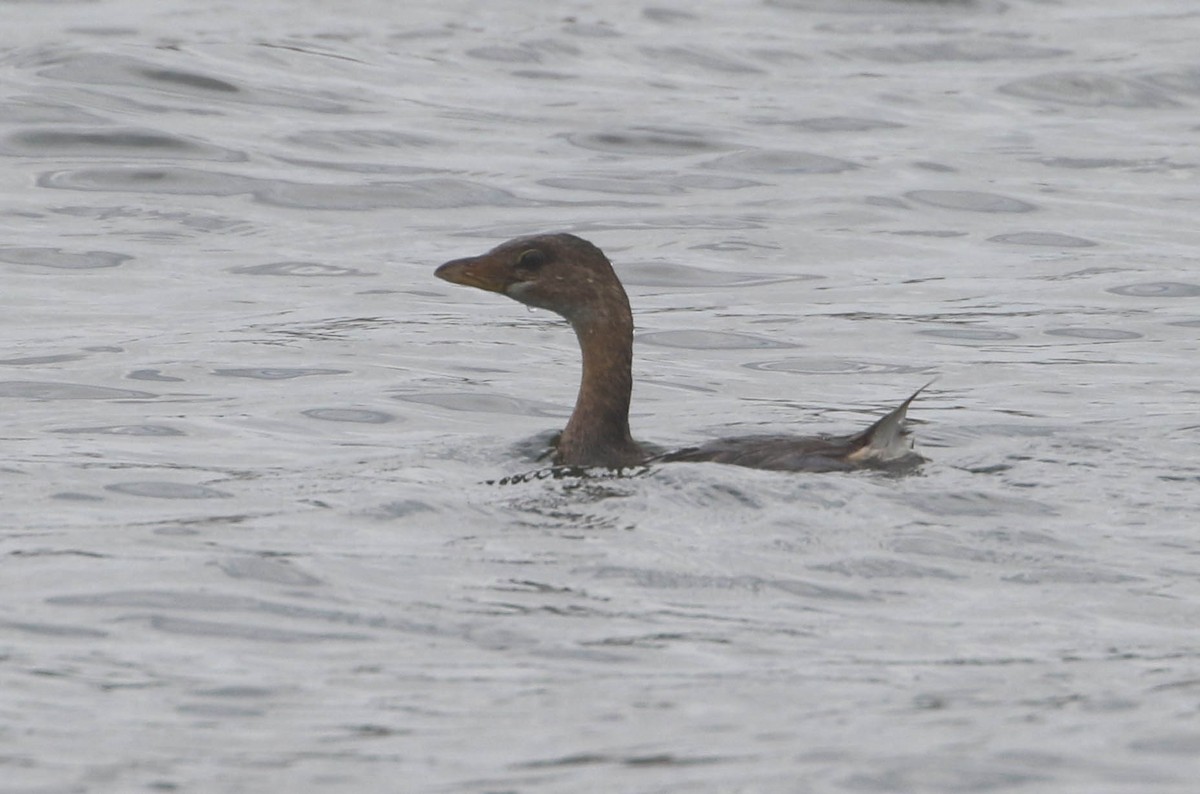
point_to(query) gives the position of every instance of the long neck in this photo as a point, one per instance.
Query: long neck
(598, 431)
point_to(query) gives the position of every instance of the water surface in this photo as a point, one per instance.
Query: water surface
(273, 518)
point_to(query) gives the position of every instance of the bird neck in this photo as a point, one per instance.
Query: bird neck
(598, 431)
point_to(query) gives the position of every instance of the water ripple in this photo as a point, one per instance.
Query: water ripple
(648, 141)
(698, 339)
(973, 50)
(970, 200)
(665, 274)
(417, 194)
(108, 71)
(124, 143)
(781, 162)
(484, 403)
(277, 373)
(1089, 89)
(41, 390)
(302, 269)
(1158, 289)
(677, 580)
(355, 415)
(1049, 239)
(1098, 334)
(37, 361)
(969, 334)
(166, 490)
(833, 366)
(834, 124)
(341, 140)
(698, 57)
(267, 570)
(62, 260)
(125, 430)
(240, 631)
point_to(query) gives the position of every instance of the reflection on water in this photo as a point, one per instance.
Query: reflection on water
(276, 514)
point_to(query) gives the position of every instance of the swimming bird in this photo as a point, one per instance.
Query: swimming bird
(571, 277)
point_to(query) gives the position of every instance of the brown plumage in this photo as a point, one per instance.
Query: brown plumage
(573, 278)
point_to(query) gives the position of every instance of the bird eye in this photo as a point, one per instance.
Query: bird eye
(531, 259)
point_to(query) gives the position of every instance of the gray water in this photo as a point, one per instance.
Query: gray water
(253, 536)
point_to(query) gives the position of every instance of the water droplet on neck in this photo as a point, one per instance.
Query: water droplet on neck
(531, 309)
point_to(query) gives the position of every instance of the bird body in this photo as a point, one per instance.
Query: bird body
(573, 278)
